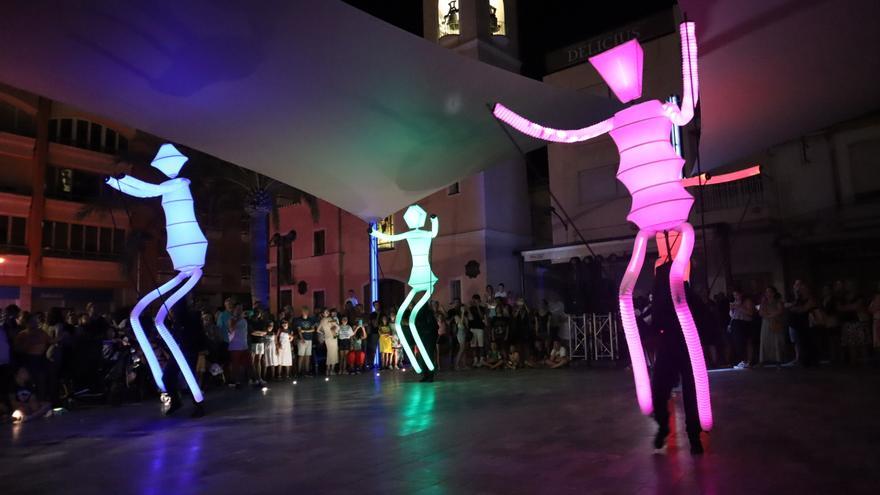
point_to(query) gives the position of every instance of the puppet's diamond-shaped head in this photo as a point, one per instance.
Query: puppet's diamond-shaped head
(169, 160)
(415, 217)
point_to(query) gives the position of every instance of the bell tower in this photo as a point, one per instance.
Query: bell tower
(486, 30)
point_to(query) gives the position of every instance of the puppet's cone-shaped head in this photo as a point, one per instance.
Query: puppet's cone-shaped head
(169, 160)
(621, 68)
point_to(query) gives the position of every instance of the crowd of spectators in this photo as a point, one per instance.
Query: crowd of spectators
(837, 325)
(63, 358)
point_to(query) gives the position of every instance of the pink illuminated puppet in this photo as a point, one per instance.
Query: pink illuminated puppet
(652, 172)
(186, 246)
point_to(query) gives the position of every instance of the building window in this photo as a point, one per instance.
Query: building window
(455, 290)
(497, 26)
(12, 231)
(318, 301)
(448, 18)
(318, 243)
(386, 226)
(73, 185)
(86, 135)
(863, 169)
(15, 121)
(453, 189)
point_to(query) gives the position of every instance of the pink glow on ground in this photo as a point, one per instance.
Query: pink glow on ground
(621, 68)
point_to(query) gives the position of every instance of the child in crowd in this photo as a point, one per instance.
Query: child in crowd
(272, 354)
(386, 344)
(558, 356)
(513, 359)
(396, 349)
(24, 400)
(345, 334)
(495, 360)
(356, 356)
(283, 340)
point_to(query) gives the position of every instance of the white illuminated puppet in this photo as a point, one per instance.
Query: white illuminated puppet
(186, 245)
(652, 172)
(421, 278)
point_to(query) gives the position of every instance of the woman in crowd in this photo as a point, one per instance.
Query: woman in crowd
(459, 321)
(385, 343)
(856, 320)
(519, 326)
(329, 330)
(500, 324)
(742, 313)
(357, 355)
(542, 328)
(345, 333)
(773, 342)
(283, 343)
(272, 351)
(31, 345)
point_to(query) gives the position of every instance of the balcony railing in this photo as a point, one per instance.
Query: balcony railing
(736, 194)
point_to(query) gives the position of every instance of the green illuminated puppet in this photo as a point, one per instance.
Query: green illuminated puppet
(421, 279)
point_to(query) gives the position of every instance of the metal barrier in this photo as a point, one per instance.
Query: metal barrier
(594, 336)
(579, 340)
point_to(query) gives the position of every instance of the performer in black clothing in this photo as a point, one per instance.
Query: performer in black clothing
(672, 364)
(426, 323)
(189, 333)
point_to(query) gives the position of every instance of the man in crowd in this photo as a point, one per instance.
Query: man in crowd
(373, 334)
(222, 319)
(477, 324)
(305, 327)
(426, 325)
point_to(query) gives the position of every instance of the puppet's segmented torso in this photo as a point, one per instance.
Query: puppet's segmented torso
(650, 168)
(186, 243)
(420, 248)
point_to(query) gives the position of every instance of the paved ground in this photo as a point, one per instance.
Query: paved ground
(569, 431)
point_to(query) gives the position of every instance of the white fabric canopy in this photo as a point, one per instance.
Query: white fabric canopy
(328, 99)
(313, 93)
(774, 70)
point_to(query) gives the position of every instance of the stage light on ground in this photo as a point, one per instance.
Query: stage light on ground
(265, 389)
(377, 373)
(294, 382)
(327, 379)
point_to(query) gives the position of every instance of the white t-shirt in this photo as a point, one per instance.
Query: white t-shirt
(501, 293)
(345, 332)
(238, 342)
(558, 353)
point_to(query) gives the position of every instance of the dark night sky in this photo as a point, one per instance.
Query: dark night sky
(544, 24)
